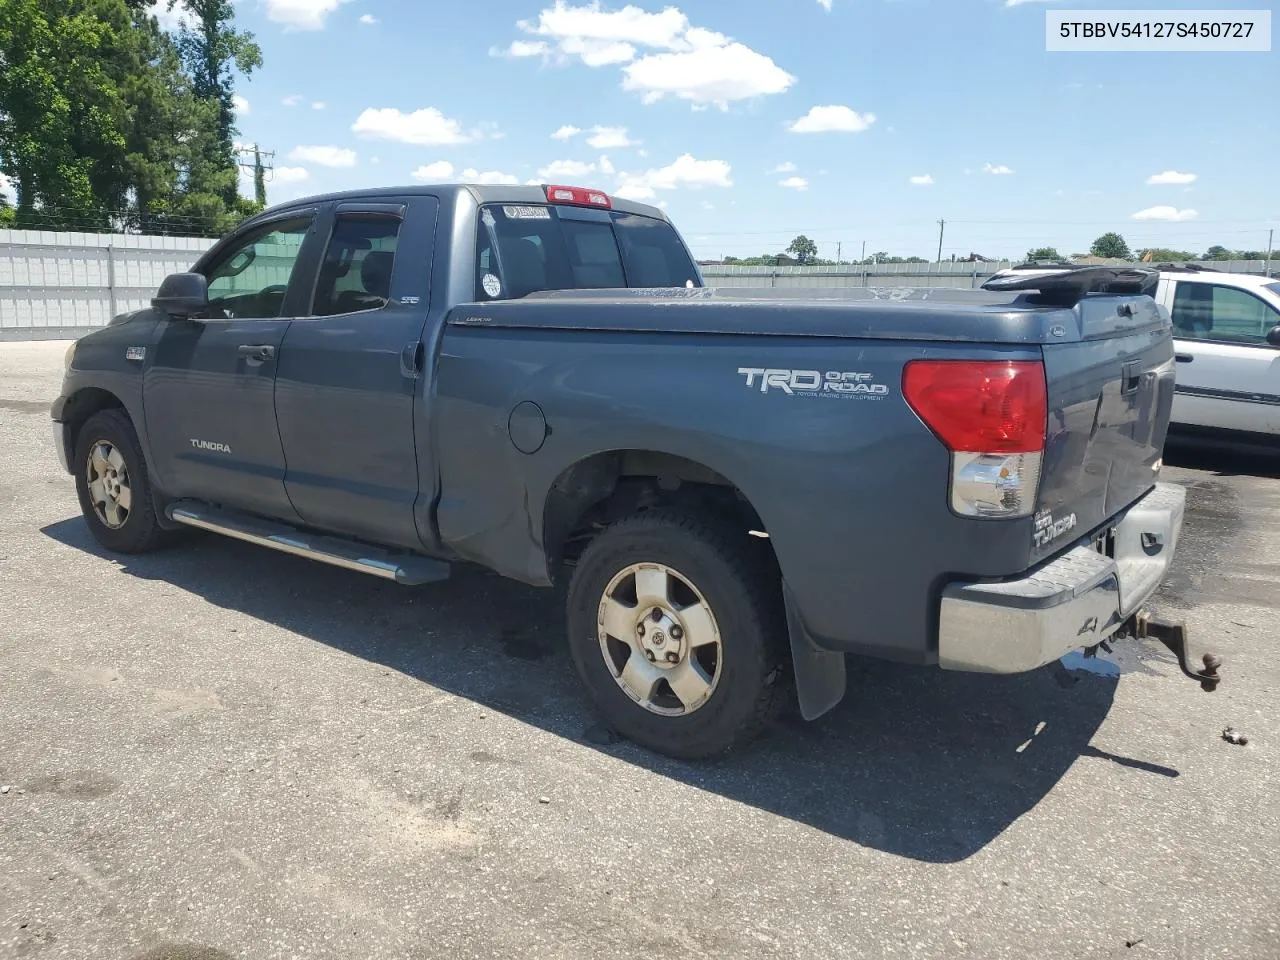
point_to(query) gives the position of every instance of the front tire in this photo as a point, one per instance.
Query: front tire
(676, 628)
(113, 485)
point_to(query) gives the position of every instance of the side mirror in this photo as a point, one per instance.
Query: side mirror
(1273, 336)
(182, 295)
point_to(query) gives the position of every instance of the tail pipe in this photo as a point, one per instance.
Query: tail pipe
(1173, 635)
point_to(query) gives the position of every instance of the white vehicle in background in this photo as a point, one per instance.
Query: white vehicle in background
(1226, 331)
(1226, 334)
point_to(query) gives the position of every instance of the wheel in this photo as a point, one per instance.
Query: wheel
(676, 628)
(112, 483)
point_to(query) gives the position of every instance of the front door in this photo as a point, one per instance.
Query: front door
(208, 393)
(349, 380)
(1228, 374)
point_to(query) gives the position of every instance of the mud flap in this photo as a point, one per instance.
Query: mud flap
(819, 673)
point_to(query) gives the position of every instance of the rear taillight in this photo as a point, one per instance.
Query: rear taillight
(991, 415)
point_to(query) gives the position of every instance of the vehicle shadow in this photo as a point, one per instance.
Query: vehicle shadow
(1223, 460)
(914, 762)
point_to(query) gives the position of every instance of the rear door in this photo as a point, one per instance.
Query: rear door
(1110, 395)
(349, 384)
(208, 390)
(1228, 374)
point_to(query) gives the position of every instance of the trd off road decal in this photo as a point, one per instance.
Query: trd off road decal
(834, 384)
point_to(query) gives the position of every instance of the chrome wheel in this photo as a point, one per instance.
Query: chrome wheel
(659, 639)
(109, 489)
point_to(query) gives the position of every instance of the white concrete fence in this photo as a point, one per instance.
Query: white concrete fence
(59, 285)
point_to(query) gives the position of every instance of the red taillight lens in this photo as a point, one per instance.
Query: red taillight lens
(982, 406)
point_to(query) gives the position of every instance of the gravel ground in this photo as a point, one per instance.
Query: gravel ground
(221, 752)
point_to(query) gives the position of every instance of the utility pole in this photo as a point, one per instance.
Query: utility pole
(942, 225)
(864, 251)
(839, 246)
(1270, 236)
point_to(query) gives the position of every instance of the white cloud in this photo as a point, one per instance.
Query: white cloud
(1018, 3)
(290, 174)
(1000, 170)
(472, 175)
(523, 48)
(173, 19)
(609, 138)
(712, 74)
(685, 171)
(427, 126)
(440, 170)
(785, 167)
(318, 105)
(825, 5)
(292, 100)
(301, 14)
(368, 19)
(794, 183)
(326, 156)
(833, 119)
(605, 165)
(565, 169)
(924, 180)
(1171, 177)
(8, 188)
(241, 104)
(567, 132)
(1168, 214)
(684, 61)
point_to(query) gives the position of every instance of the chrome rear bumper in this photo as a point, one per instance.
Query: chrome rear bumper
(1075, 600)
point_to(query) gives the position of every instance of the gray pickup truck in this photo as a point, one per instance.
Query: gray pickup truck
(736, 488)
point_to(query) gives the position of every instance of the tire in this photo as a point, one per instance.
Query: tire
(743, 677)
(108, 438)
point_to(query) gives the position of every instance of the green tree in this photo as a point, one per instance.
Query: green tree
(1044, 253)
(1111, 245)
(61, 110)
(259, 178)
(1165, 255)
(1217, 252)
(213, 50)
(803, 249)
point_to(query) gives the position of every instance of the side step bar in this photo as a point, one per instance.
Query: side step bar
(406, 569)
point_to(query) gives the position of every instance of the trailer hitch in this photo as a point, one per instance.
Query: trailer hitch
(1173, 635)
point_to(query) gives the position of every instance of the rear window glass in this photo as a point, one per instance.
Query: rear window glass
(537, 249)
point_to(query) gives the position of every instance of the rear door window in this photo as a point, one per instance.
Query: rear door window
(525, 248)
(356, 272)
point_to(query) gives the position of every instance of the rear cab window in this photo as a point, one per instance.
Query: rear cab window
(524, 248)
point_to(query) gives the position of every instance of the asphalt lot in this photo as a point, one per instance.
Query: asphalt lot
(221, 752)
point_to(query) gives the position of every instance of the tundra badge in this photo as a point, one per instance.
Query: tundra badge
(211, 446)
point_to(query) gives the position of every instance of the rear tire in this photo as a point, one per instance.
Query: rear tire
(113, 485)
(708, 673)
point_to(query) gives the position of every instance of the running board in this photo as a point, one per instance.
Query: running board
(405, 569)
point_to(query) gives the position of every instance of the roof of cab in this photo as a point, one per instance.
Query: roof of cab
(483, 193)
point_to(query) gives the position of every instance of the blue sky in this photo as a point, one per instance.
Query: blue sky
(752, 122)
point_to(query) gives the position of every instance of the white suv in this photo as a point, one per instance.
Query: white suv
(1227, 338)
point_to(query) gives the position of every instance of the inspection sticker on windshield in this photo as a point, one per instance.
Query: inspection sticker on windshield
(814, 383)
(492, 285)
(526, 213)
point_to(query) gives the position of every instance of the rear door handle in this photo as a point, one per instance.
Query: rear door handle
(256, 351)
(1183, 357)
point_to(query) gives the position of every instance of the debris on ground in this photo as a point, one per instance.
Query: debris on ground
(1134, 943)
(1232, 735)
(544, 799)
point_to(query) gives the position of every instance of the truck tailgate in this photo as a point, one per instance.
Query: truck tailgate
(1110, 395)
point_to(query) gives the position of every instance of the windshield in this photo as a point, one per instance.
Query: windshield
(542, 247)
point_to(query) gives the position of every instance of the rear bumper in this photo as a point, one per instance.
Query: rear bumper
(1075, 600)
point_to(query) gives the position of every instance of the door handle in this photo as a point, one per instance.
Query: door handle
(1183, 357)
(411, 359)
(256, 351)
